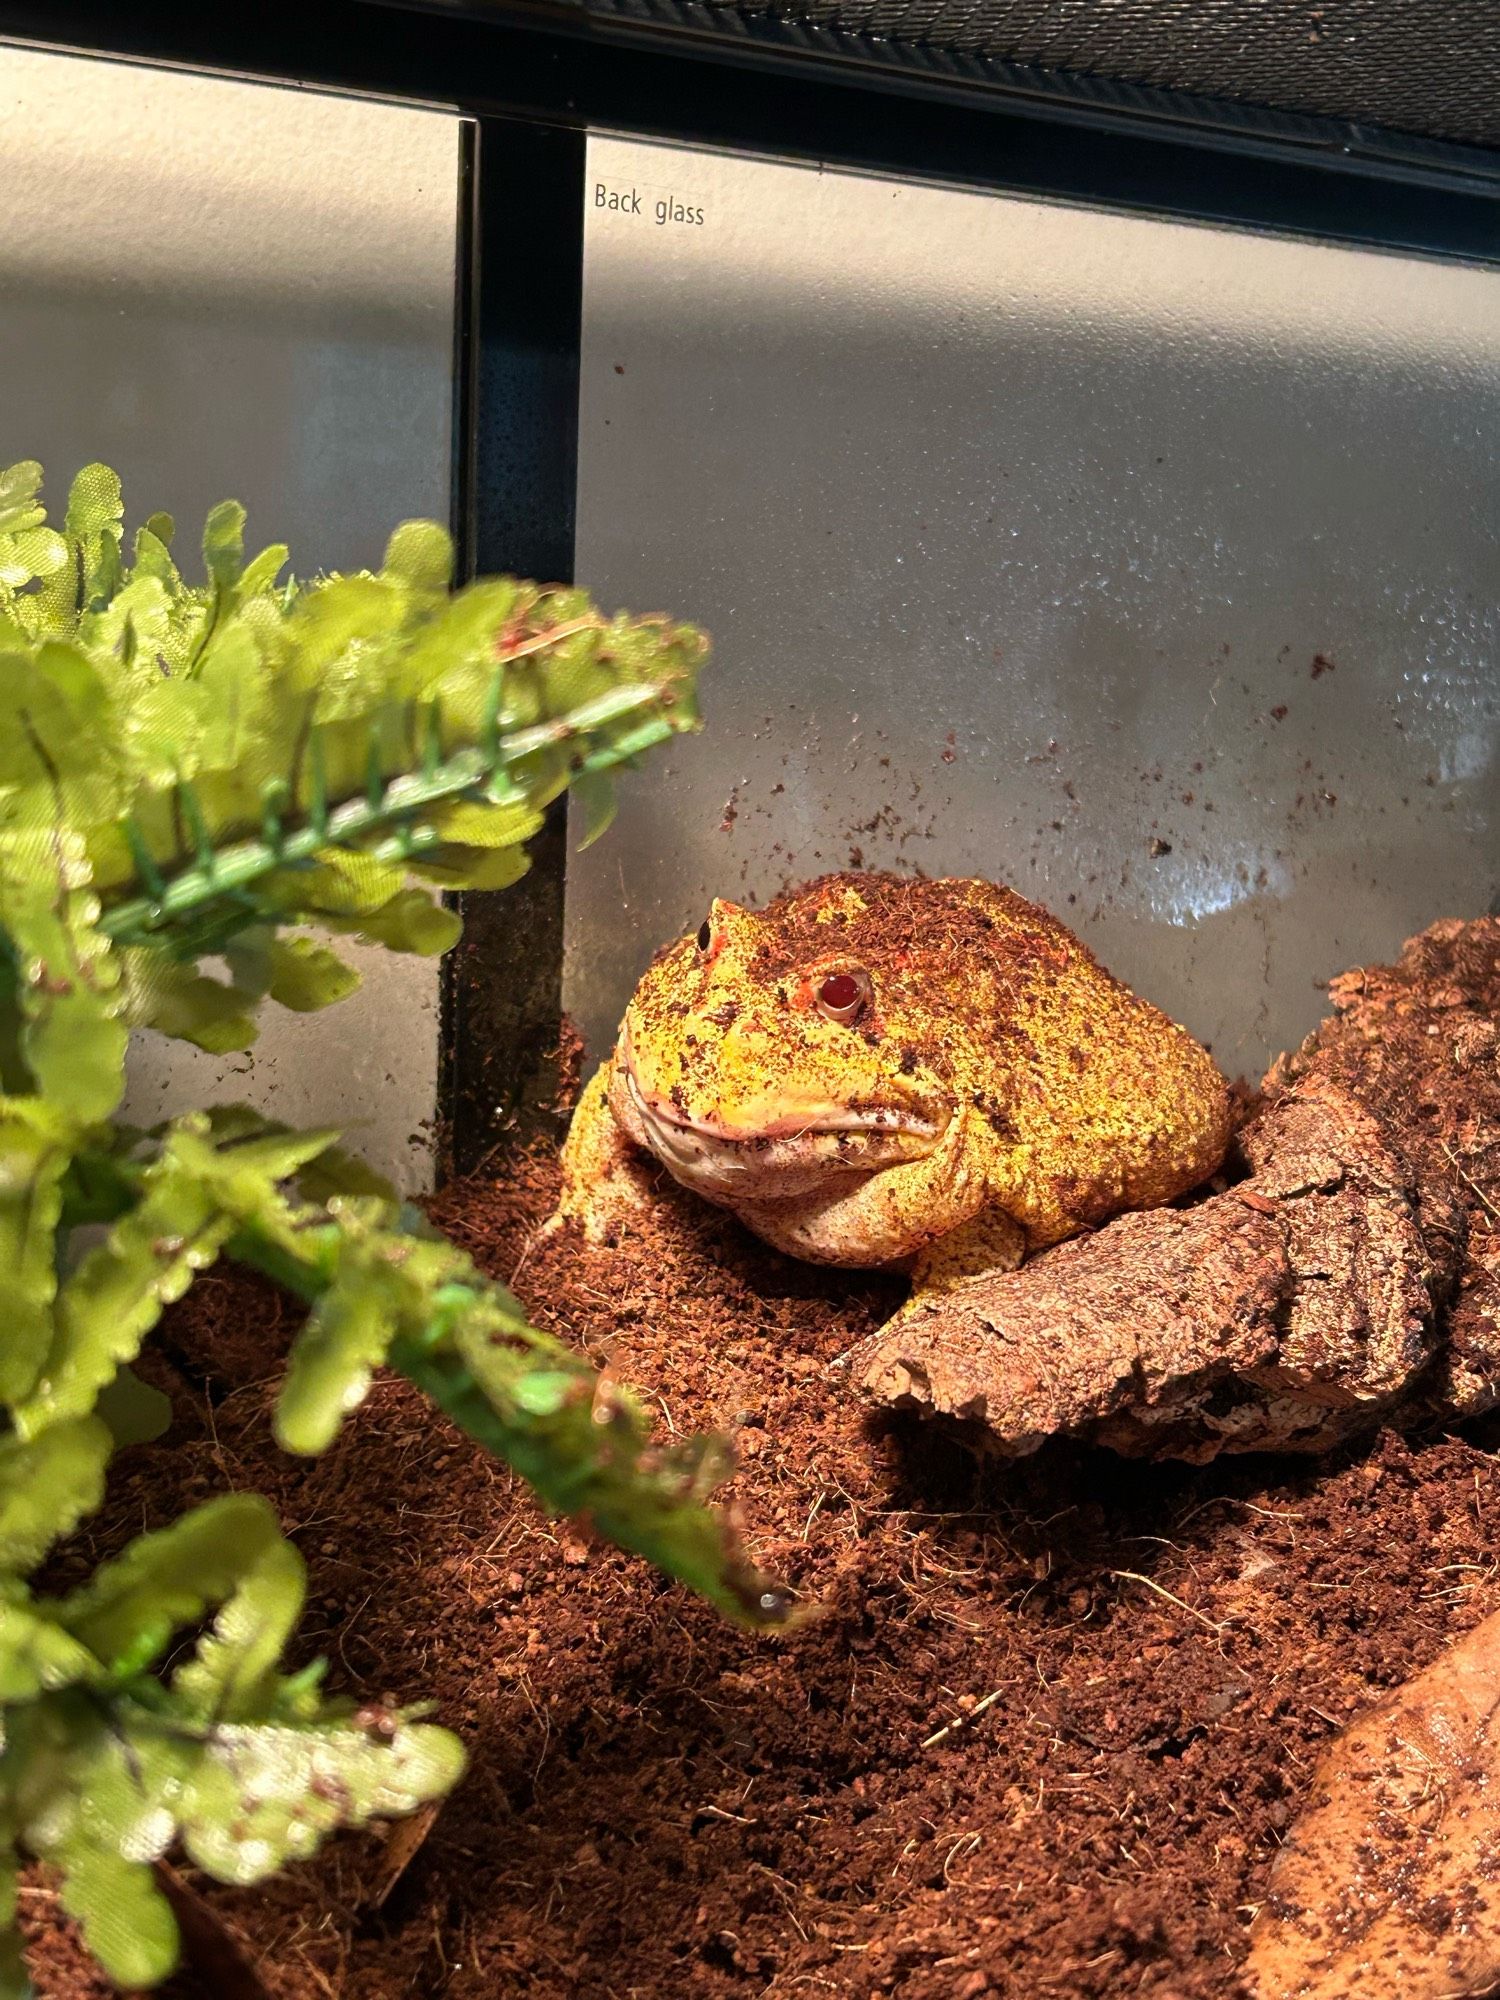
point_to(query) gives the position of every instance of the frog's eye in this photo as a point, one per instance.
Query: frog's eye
(843, 996)
(705, 935)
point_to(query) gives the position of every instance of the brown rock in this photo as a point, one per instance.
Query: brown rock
(1387, 1885)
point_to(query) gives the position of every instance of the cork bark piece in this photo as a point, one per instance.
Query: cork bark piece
(1344, 1271)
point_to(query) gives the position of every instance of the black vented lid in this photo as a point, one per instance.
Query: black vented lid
(1426, 67)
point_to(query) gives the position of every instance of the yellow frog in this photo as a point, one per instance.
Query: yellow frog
(933, 1076)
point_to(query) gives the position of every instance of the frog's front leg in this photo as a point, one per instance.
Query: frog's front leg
(608, 1181)
(988, 1242)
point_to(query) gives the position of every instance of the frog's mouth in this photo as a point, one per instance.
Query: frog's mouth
(795, 1153)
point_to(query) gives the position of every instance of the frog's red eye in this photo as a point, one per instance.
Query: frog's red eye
(705, 935)
(842, 996)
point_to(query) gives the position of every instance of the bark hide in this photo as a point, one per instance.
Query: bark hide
(1344, 1271)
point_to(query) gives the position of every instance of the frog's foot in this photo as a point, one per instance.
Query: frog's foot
(988, 1242)
(608, 1183)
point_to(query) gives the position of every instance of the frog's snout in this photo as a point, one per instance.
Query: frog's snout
(794, 1152)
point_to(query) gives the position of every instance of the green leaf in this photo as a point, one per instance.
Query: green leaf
(421, 554)
(306, 975)
(411, 921)
(336, 1172)
(174, 999)
(59, 746)
(71, 1039)
(94, 503)
(228, 1552)
(92, 527)
(266, 1795)
(127, 1923)
(135, 1411)
(224, 545)
(34, 1156)
(469, 824)
(47, 1486)
(20, 508)
(474, 867)
(191, 1199)
(594, 794)
(263, 571)
(347, 1335)
(36, 1656)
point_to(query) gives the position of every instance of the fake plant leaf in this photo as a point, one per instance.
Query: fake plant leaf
(594, 794)
(34, 1156)
(36, 1657)
(191, 1198)
(337, 1172)
(90, 570)
(89, 1799)
(306, 975)
(224, 547)
(584, 1445)
(411, 921)
(473, 867)
(126, 1921)
(135, 1412)
(174, 999)
(465, 824)
(47, 1486)
(71, 1039)
(20, 497)
(347, 1336)
(262, 571)
(267, 1794)
(111, 1301)
(247, 1766)
(59, 744)
(95, 506)
(588, 1453)
(420, 553)
(228, 1553)
(15, 1982)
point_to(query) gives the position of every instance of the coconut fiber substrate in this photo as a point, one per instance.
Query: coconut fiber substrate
(1044, 1738)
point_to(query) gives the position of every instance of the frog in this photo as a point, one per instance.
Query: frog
(899, 1073)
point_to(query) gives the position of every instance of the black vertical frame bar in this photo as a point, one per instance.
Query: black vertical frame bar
(516, 469)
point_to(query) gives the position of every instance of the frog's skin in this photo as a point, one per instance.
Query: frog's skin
(992, 1089)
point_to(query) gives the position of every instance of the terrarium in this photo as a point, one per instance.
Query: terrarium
(751, 1122)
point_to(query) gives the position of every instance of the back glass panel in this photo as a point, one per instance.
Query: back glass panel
(1149, 567)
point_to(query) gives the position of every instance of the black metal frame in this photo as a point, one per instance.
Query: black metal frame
(651, 67)
(536, 81)
(516, 467)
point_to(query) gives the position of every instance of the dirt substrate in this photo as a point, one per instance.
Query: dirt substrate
(1044, 1738)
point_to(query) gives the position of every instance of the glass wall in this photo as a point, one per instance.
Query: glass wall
(225, 289)
(1151, 568)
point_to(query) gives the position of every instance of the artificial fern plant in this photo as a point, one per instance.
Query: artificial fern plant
(199, 783)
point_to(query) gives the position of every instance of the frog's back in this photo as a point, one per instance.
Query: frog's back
(1096, 1099)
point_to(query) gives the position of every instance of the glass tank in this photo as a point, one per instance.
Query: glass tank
(1151, 568)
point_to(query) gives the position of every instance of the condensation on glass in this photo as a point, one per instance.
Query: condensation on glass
(1151, 568)
(228, 289)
